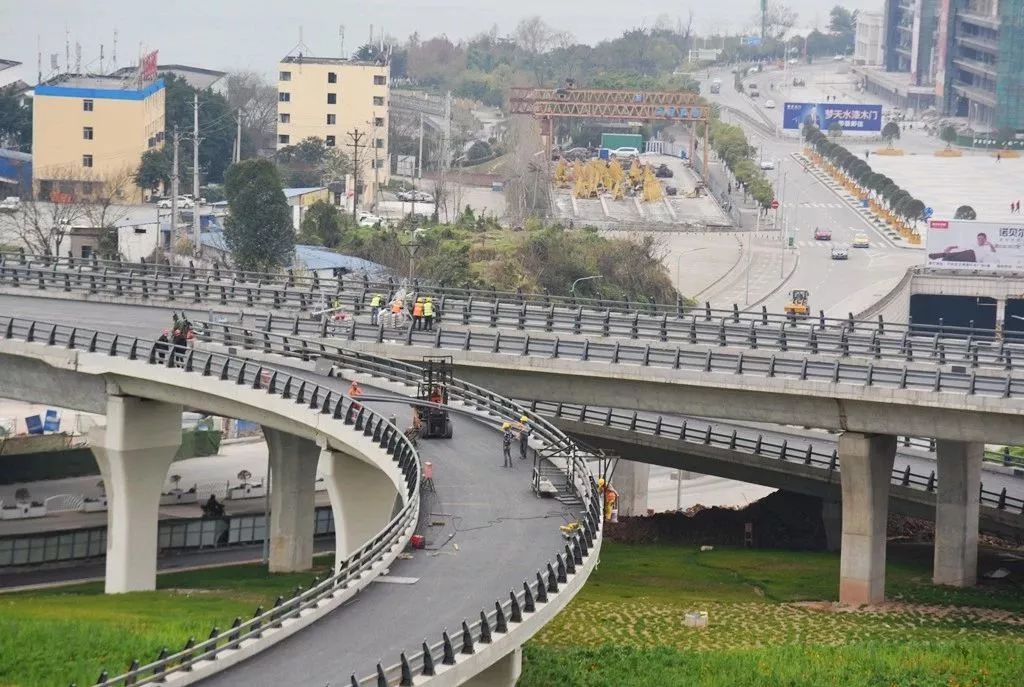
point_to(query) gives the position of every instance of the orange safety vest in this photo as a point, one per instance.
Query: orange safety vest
(396, 307)
(417, 310)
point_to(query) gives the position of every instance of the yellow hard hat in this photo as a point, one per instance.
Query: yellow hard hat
(524, 419)
(419, 300)
(600, 483)
(506, 426)
(428, 299)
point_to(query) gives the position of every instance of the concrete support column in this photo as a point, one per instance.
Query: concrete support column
(504, 673)
(832, 520)
(956, 512)
(363, 500)
(865, 469)
(631, 482)
(292, 462)
(134, 451)
(1000, 315)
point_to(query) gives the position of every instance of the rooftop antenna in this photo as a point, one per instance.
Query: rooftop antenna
(67, 49)
(101, 59)
(78, 57)
(299, 48)
(371, 35)
(39, 58)
(113, 57)
(341, 40)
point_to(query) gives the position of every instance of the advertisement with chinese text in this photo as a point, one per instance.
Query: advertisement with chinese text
(822, 115)
(966, 244)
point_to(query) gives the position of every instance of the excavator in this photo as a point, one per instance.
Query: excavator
(799, 303)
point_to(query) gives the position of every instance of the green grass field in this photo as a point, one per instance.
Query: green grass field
(70, 634)
(626, 626)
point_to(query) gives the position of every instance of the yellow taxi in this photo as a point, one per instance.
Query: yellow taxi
(861, 241)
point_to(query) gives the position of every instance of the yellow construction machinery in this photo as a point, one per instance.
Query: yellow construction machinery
(799, 303)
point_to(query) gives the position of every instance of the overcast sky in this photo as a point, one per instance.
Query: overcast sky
(253, 34)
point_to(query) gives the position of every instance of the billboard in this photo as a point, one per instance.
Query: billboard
(962, 243)
(850, 117)
(148, 67)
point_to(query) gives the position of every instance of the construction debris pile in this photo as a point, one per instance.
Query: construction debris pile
(617, 178)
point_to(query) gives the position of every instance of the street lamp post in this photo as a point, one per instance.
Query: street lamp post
(572, 289)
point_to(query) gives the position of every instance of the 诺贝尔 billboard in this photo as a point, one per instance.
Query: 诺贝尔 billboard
(850, 117)
(961, 243)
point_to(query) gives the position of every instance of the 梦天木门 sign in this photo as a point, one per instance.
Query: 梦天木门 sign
(849, 117)
(967, 244)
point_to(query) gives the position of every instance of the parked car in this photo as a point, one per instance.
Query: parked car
(671, 190)
(626, 151)
(769, 104)
(822, 234)
(367, 219)
(10, 204)
(793, 60)
(799, 82)
(840, 253)
(838, 58)
(861, 241)
(663, 172)
(184, 202)
(423, 197)
(767, 164)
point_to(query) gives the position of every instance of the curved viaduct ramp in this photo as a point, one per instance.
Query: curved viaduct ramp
(503, 540)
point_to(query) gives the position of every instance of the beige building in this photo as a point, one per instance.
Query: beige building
(330, 98)
(91, 131)
(869, 42)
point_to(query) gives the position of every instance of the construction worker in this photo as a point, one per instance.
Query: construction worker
(417, 313)
(428, 314)
(374, 307)
(506, 444)
(524, 436)
(354, 392)
(396, 311)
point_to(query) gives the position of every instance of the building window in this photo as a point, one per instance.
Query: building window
(379, 163)
(283, 139)
(378, 100)
(378, 121)
(284, 97)
(159, 137)
(86, 106)
(330, 141)
(332, 119)
(285, 118)
(379, 80)
(285, 76)
(332, 98)
(87, 160)
(379, 143)
(152, 141)
(87, 133)
(332, 77)
(86, 252)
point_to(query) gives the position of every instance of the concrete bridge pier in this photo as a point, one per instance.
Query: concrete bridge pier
(631, 480)
(292, 463)
(504, 673)
(832, 520)
(956, 512)
(363, 500)
(866, 461)
(134, 451)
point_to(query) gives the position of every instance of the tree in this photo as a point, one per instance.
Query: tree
(1006, 134)
(15, 122)
(890, 132)
(44, 224)
(965, 212)
(256, 101)
(258, 230)
(322, 225)
(843, 27)
(779, 19)
(948, 134)
(216, 127)
(913, 209)
(154, 169)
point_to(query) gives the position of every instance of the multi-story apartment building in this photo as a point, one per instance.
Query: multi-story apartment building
(868, 41)
(910, 27)
(982, 46)
(90, 131)
(331, 98)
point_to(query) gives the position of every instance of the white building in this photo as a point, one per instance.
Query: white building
(869, 41)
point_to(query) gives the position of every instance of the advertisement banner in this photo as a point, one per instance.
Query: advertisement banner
(962, 243)
(149, 66)
(849, 116)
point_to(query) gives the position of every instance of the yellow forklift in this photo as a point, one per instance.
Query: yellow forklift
(799, 303)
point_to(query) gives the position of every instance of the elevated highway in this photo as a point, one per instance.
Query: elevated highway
(500, 594)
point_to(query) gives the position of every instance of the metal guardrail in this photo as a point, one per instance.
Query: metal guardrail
(314, 396)
(753, 443)
(505, 613)
(262, 287)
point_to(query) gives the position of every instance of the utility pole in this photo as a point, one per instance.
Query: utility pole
(174, 190)
(238, 138)
(355, 136)
(419, 157)
(197, 246)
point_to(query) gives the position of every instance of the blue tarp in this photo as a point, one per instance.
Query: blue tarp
(315, 258)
